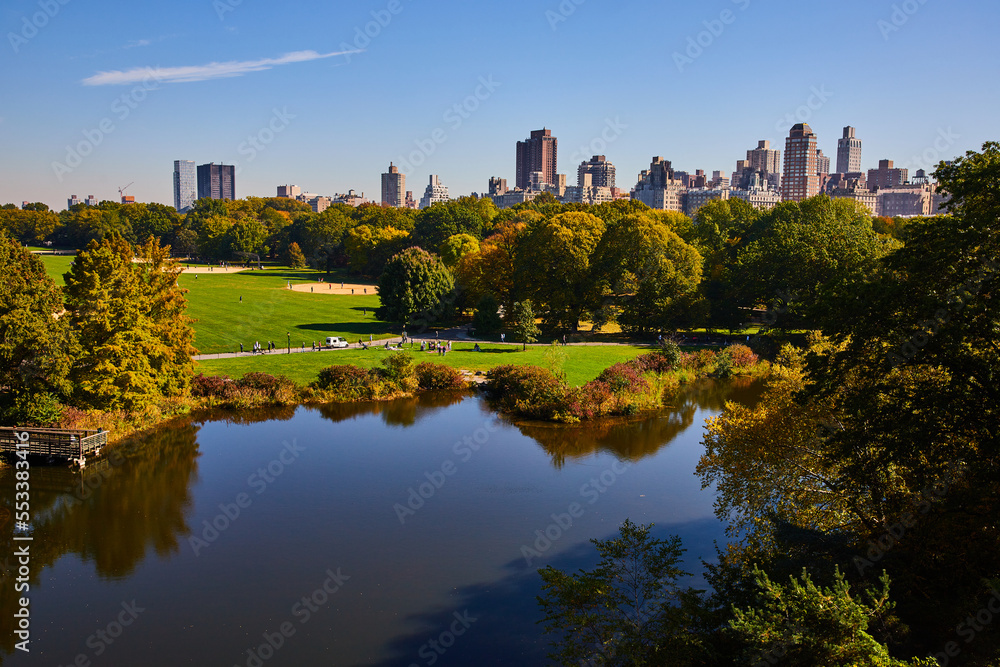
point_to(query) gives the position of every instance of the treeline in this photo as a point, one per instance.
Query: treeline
(616, 262)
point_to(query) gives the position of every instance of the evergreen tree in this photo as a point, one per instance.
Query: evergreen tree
(524, 325)
(130, 319)
(37, 345)
(295, 258)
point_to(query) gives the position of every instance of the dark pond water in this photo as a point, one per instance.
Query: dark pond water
(377, 534)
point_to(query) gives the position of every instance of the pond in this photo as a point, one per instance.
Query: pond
(401, 533)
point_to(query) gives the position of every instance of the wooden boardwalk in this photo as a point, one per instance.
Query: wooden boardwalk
(73, 446)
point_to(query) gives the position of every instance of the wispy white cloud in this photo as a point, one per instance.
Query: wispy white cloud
(136, 43)
(203, 72)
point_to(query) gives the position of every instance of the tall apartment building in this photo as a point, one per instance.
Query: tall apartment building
(910, 200)
(822, 165)
(91, 200)
(886, 176)
(216, 181)
(539, 152)
(434, 193)
(758, 192)
(185, 185)
(800, 177)
(72, 201)
(289, 191)
(394, 187)
(498, 186)
(853, 188)
(762, 160)
(602, 172)
(849, 153)
(658, 188)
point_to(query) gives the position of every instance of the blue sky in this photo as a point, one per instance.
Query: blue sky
(99, 95)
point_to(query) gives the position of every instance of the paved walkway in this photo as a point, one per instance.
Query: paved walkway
(454, 334)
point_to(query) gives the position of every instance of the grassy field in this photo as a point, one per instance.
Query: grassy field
(268, 311)
(56, 266)
(582, 363)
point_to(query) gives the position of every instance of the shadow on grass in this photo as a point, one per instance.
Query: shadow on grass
(373, 327)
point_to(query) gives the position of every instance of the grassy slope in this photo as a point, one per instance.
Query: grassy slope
(583, 363)
(56, 266)
(269, 311)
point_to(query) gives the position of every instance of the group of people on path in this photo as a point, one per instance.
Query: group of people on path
(259, 349)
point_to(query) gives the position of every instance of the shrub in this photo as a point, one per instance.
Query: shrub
(212, 386)
(656, 362)
(699, 360)
(723, 365)
(342, 378)
(397, 367)
(527, 390)
(741, 356)
(623, 378)
(438, 376)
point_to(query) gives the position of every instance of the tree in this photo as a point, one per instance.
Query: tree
(414, 282)
(553, 263)
(629, 610)
(37, 346)
(29, 226)
(492, 269)
(487, 320)
(805, 624)
(457, 246)
(435, 224)
(295, 258)
(815, 250)
(369, 248)
(130, 318)
(648, 272)
(523, 319)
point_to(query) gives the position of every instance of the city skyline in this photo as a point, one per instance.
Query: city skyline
(272, 91)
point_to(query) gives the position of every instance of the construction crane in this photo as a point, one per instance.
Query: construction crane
(121, 192)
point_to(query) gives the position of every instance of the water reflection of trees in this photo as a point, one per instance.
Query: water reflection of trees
(644, 435)
(127, 504)
(398, 412)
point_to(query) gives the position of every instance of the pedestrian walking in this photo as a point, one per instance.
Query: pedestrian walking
(503, 337)
(564, 339)
(352, 291)
(241, 298)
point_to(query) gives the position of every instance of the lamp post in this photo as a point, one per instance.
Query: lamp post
(289, 334)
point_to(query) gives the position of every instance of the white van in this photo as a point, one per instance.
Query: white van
(336, 341)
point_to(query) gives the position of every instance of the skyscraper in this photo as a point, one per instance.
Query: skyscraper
(822, 165)
(434, 193)
(185, 185)
(763, 161)
(800, 178)
(601, 171)
(394, 187)
(216, 181)
(537, 153)
(849, 153)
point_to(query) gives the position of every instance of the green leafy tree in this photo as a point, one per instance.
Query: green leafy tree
(457, 246)
(435, 224)
(486, 320)
(37, 346)
(553, 265)
(130, 318)
(648, 273)
(414, 282)
(523, 322)
(629, 610)
(29, 226)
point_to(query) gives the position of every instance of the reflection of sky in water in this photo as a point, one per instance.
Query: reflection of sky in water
(488, 485)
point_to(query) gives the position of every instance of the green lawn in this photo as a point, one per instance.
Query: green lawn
(583, 363)
(269, 311)
(56, 266)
